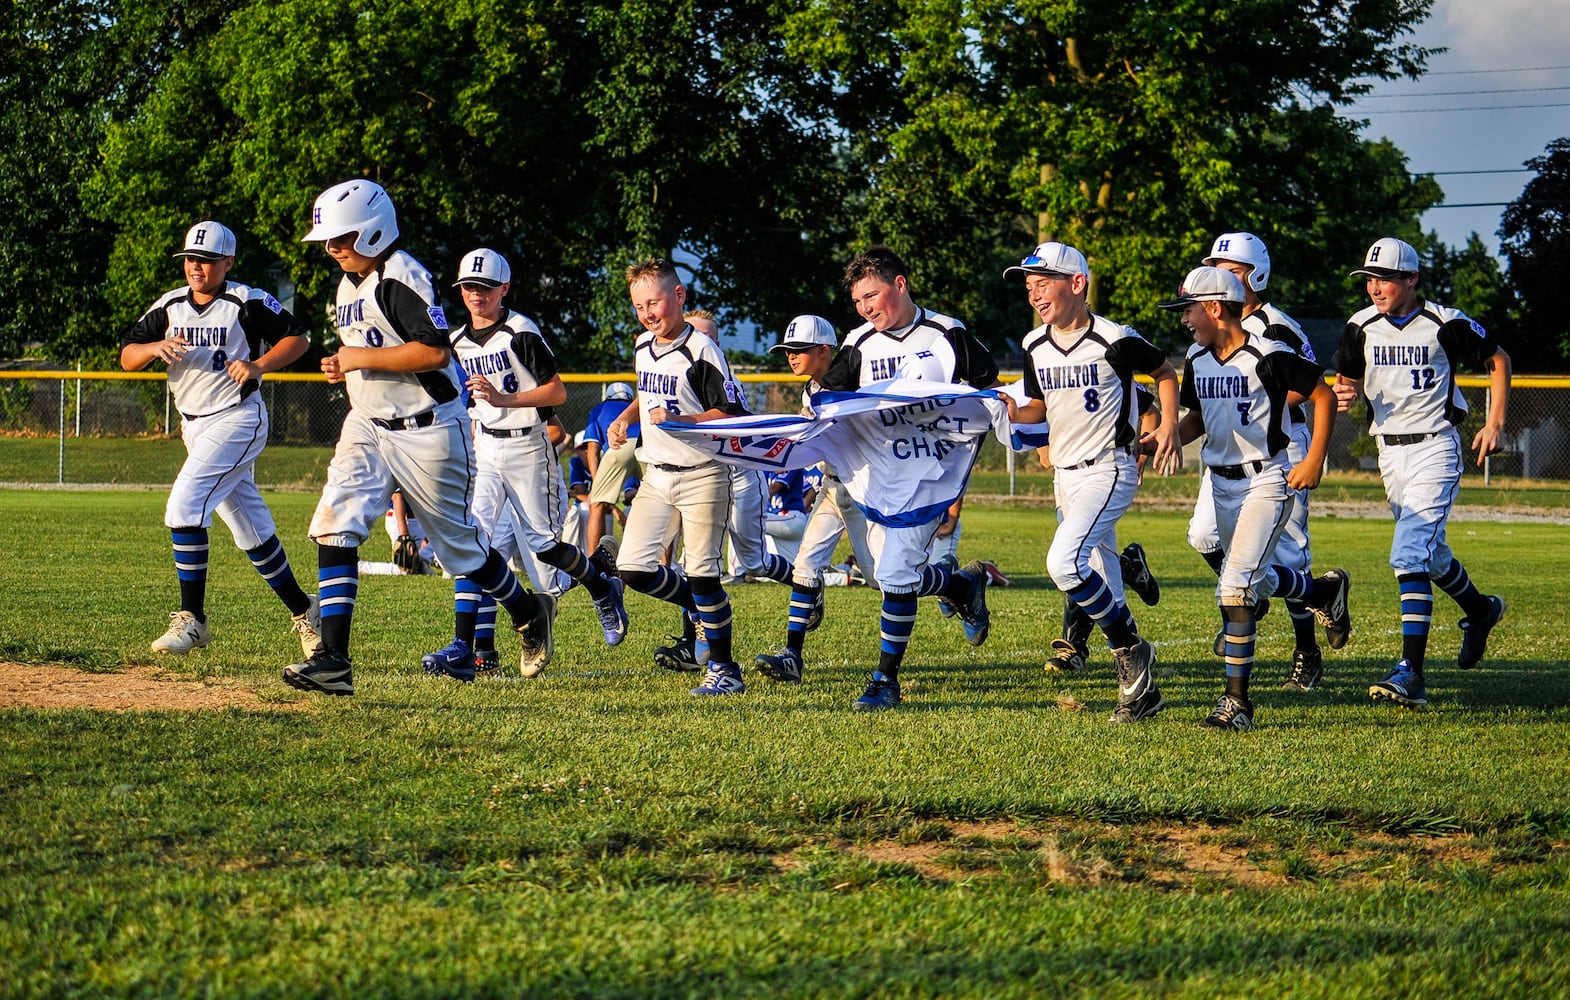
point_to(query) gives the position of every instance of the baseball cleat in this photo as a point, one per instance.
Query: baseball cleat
(1137, 574)
(881, 693)
(677, 656)
(974, 615)
(455, 660)
(1308, 667)
(782, 665)
(1335, 614)
(1402, 685)
(308, 626)
(1231, 714)
(721, 678)
(946, 608)
(612, 610)
(539, 641)
(487, 661)
(995, 577)
(185, 633)
(1066, 658)
(326, 671)
(1474, 635)
(1138, 696)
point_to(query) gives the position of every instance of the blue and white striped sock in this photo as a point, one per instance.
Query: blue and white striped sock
(190, 566)
(273, 564)
(899, 618)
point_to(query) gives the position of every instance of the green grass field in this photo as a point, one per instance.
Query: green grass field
(599, 832)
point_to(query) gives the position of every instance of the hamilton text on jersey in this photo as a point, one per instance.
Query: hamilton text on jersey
(1399, 355)
(488, 364)
(351, 313)
(1069, 376)
(202, 336)
(657, 383)
(1221, 386)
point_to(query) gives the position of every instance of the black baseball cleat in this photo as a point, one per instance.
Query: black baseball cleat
(1474, 634)
(1231, 714)
(1334, 614)
(677, 656)
(327, 672)
(1138, 696)
(1066, 658)
(1137, 574)
(1308, 667)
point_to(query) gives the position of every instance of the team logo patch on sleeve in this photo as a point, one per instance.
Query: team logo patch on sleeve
(1477, 327)
(271, 303)
(438, 318)
(733, 392)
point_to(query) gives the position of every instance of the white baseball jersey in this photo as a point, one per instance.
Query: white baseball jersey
(1242, 398)
(1087, 387)
(1408, 365)
(231, 327)
(932, 345)
(395, 304)
(513, 356)
(687, 376)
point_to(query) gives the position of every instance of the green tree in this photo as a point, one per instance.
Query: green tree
(1534, 234)
(572, 137)
(68, 68)
(1135, 131)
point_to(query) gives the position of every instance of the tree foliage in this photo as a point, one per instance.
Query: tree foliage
(763, 140)
(1534, 234)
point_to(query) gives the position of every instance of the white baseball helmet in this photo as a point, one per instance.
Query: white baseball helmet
(619, 390)
(355, 207)
(1243, 248)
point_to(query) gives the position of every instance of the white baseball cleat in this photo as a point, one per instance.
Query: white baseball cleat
(308, 626)
(185, 634)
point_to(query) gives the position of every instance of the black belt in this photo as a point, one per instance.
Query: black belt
(516, 432)
(1407, 438)
(425, 419)
(197, 416)
(1114, 453)
(673, 468)
(1237, 471)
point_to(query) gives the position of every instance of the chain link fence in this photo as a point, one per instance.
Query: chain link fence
(121, 427)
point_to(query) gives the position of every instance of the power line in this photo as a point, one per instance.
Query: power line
(1435, 111)
(1508, 69)
(1456, 173)
(1462, 93)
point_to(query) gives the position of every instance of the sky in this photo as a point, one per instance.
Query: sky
(1493, 45)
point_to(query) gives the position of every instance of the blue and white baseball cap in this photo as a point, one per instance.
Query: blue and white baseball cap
(1208, 284)
(1390, 258)
(208, 241)
(806, 331)
(483, 267)
(1057, 259)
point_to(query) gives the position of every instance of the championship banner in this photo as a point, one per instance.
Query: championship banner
(904, 448)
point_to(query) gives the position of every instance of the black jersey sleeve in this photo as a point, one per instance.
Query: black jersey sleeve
(151, 327)
(973, 363)
(1135, 354)
(536, 355)
(1290, 371)
(1032, 381)
(844, 374)
(264, 324)
(1465, 340)
(410, 315)
(1188, 397)
(708, 382)
(1350, 359)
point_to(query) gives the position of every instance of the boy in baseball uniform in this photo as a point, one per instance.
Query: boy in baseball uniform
(1403, 354)
(513, 386)
(900, 338)
(1079, 376)
(209, 334)
(681, 373)
(808, 346)
(406, 424)
(1246, 256)
(1238, 386)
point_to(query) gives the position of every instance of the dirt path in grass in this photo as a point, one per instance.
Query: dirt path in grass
(126, 690)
